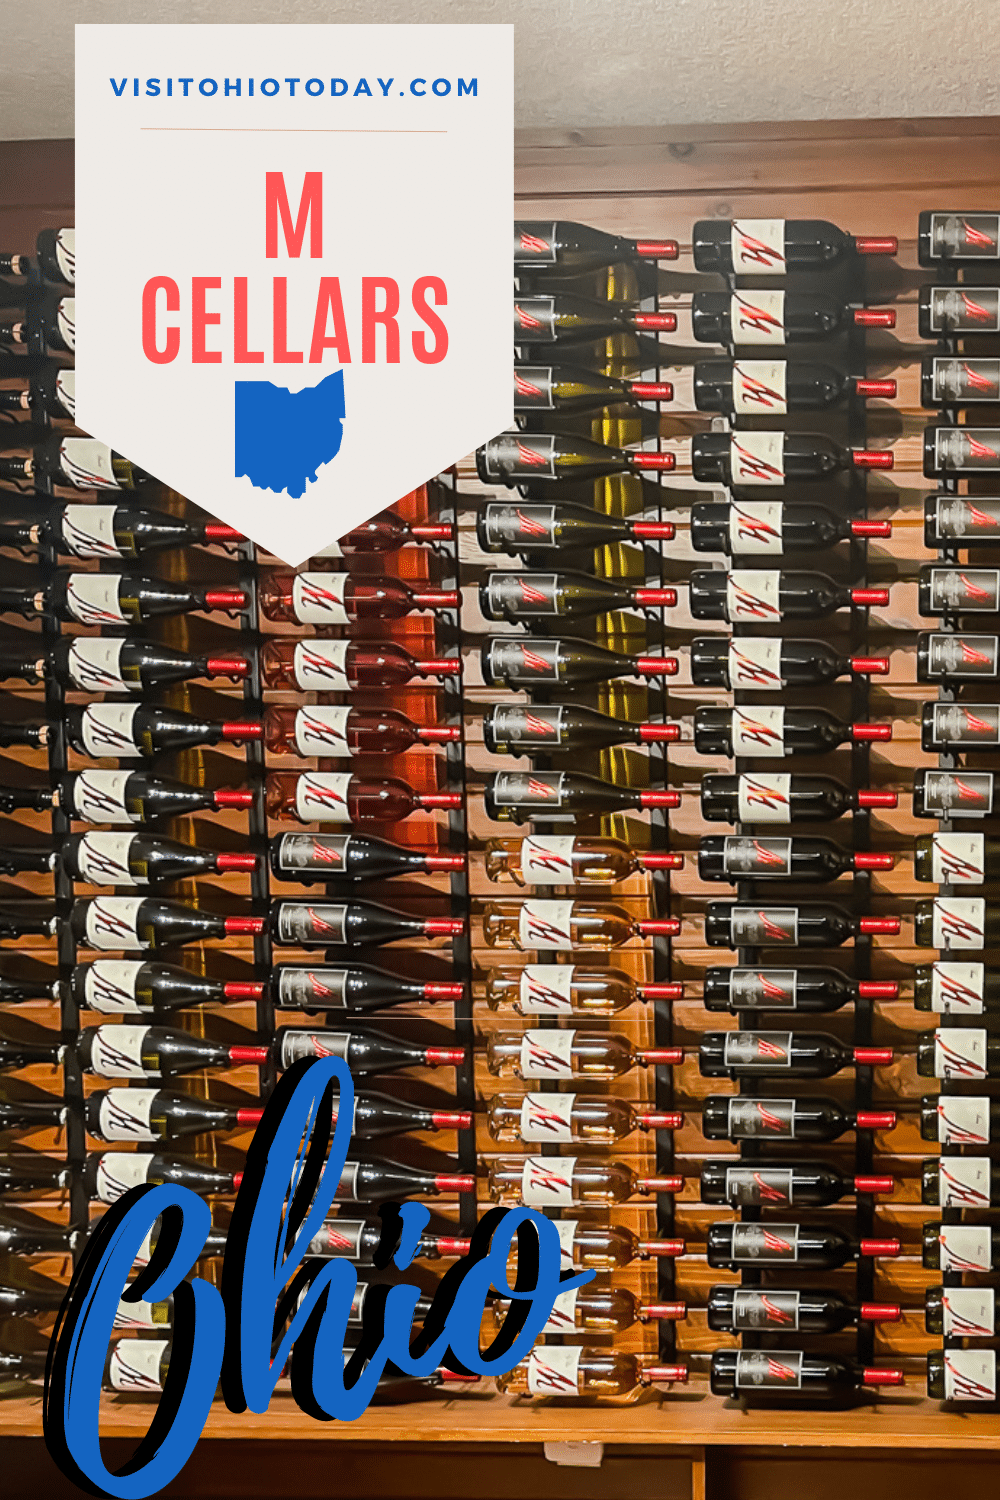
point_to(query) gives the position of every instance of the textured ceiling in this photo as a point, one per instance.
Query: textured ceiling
(607, 62)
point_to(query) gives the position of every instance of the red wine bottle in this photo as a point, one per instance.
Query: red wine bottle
(811, 924)
(113, 1051)
(29, 1045)
(81, 462)
(734, 1309)
(764, 1185)
(140, 860)
(743, 856)
(768, 663)
(386, 532)
(358, 1239)
(759, 387)
(959, 726)
(109, 1174)
(962, 239)
(525, 457)
(772, 527)
(515, 662)
(132, 923)
(565, 319)
(48, 387)
(533, 596)
(526, 729)
(729, 1117)
(959, 590)
(362, 1048)
(136, 1114)
(338, 598)
(773, 247)
(376, 1180)
(968, 519)
(135, 987)
(770, 731)
(94, 664)
(116, 598)
(122, 797)
(524, 527)
(113, 531)
(954, 383)
(775, 458)
(377, 1115)
(337, 732)
(304, 857)
(953, 794)
(23, 1233)
(49, 316)
(781, 1373)
(56, 251)
(784, 798)
(954, 452)
(945, 312)
(777, 317)
(354, 923)
(520, 796)
(817, 1247)
(341, 797)
(24, 1292)
(810, 990)
(790, 1054)
(562, 246)
(763, 596)
(573, 388)
(337, 666)
(351, 987)
(943, 656)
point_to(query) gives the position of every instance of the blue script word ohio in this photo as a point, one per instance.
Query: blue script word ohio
(226, 1336)
(283, 437)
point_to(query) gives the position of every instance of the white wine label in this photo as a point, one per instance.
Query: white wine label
(963, 1120)
(113, 922)
(964, 309)
(755, 662)
(318, 598)
(347, 1187)
(757, 247)
(763, 1051)
(66, 391)
(771, 1309)
(124, 1115)
(964, 589)
(966, 1247)
(510, 525)
(964, 1182)
(547, 1181)
(109, 986)
(321, 796)
(136, 1315)
(756, 526)
(87, 464)
(116, 1052)
(546, 989)
(321, 666)
(752, 594)
(750, 1187)
(970, 1374)
(118, 1171)
(547, 1054)
(751, 1119)
(958, 989)
(106, 729)
(333, 550)
(65, 249)
(134, 1364)
(958, 922)
(742, 855)
(321, 729)
(958, 858)
(545, 924)
(757, 317)
(94, 666)
(757, 458)
(89, 530)
(547, 1117)
(296, 1044)
(562, 1318)
(298, 989)
(554, 1370)
(341, 1237)
(763, 989)
(99, 797)
(66, 328)
(760, 386)
(765, 1244)
(303, 922)
(566, 1230)
(547, 859)
(958, 794)
(960, 1053)
(759, 730)
(102, 858)
(763, 926)
(968, 1312)
(764, 798)
(965, 724)
(528, 788)
(757, 1369)
(93, 598)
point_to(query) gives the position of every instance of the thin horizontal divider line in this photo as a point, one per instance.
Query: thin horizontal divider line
(741, 190)
(288, 130)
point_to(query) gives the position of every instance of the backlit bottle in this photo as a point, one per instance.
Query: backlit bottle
(566, 925)
(545, 859)
(596, 1310)
(551, 1054)
(387, 532)
(586, 1119)
(569, 989)
(341, 797)
(339, 598)
(321, 666)
(578, 1373)
(558, 1181)
(332, 731)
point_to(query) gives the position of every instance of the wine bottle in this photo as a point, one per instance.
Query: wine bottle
(792, 1054)
(305, 857)
(784, 798)
(337, 666)
(339, 598)
(727, 1117)
(354, 923)
(330, 731)
(950, 922)
(524, 729)
(777, 317)
(957, 237)
(773, 527)
(566, 924)
(942, 591)
(743, 856)
(341, 797)
(566, 860)
(962, 1375)
(759, 387)
(526, 457)
(568, 989)
(94, 664)
(956, 858)
(587, 1119)
(23, 1233)
(56, 250)
(552, 1053)
(109, 1174)
(595, 1310)
(23, 1292)
(353, 987)
(133, 1315)
(953, 794)
(563, 246)
(762, 662)
(48, 314)
(376, 1180)
(959, 1247)
(81, 462)
(520, 796)
(732, 1309)
(943, 656)
(115, 598)
(31, 1171)
(533, 596)
(959, 1119)
(558, 1181)
(386, 532)
(776, 732)
(133, 987)
(23, 1364)
(773, 247)
(959, 1182)
(818, 1247)
(810, 990)
(363, 1049)
(48, 389)
(776, 458)
(964, 1312)
(573, 388)
(577, 1371)
(123, 797)
(133, 923)
(377, 1115)
(516, 662)
(511, 527)
(566, 319)
(113, 531)
(133, 730)
(113, 1051)
(781, 1373)
(954, 383)
(763, 1185)
(945, 312)
(954, 1052)
(358, 1239)
(951, 452)
(762, 595)
(600, 1246)
(956, 989)
(947, 726)
(969, 520)
(141, 861)
(137, 1114)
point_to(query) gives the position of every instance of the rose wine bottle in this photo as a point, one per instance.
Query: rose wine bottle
(339, 598)
(810, 990)
(775, 1309)
(386, 532)
(762, 1185)
(758, 527)
(776, 318)
(761, 458)
(813, 860)
(341, 797)
(773, 247)
(116, 599)
(531, 596)
(516, 458)
(587, 1119)
(351, 987)
(760, 595)
(817, 1247)
(573, 388)
(362, 1048)
(578, 1372)
(338, 666)
(526, 528)
(520, 796)
(764, 387)
(566, 924)
(558, 1181)
(525, 728)
(352, 923)
(569, 989)
(519, 662)
(113, 531)
(739, 1117)
(593, 1310)
(783, 1373)
(760, 797)
(563, 247)
(565, 319)
(791, 1054)
(599, 1246)
(95, 664)
(307, 857)
(134, 987)
(566, 860)
(113, 1051)
(775, 731)
(769, 664)
(551, 1053)
(334, 732)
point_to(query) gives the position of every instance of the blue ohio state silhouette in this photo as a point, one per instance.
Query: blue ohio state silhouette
(283, 437)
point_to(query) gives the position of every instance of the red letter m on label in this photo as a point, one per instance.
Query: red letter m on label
(310, 207)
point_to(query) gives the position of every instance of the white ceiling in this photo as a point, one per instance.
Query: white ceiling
(606, 62)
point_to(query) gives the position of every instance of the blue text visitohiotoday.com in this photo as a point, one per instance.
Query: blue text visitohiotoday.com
(292, 88)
